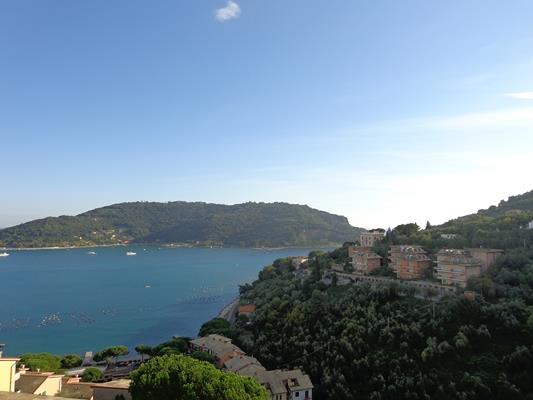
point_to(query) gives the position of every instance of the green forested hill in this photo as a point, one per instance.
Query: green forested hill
(502, 226)
(243, 225)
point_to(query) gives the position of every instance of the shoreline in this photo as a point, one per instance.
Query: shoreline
(229, 311)
(161, 245)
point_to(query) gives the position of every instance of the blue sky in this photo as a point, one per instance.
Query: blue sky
(383, 111)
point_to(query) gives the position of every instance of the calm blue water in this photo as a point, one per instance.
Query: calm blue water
(63, 301)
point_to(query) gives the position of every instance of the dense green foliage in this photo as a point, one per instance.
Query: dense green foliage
(71, 361)
(370, 342)
(42, 361)
(502, 226)
(174, 377)
(110, 353)
(216, 325)
(92, 374)
(50, 362)
(241, 225)
(176, 345)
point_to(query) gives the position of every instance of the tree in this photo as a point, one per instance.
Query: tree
(43, 361)
(92, 374)
(111, 353)
(179, 377)
(216, 325)
(406, 229)
(71, 361)
(143, 350)
(203, 356)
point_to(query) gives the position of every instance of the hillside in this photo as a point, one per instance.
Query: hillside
(240, 225)
(502, 226)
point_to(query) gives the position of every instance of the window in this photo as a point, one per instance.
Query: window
(307, 394)
(297, 394)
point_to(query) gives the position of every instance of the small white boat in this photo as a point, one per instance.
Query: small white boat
(91, 253)
(131, 253)
(4, 254)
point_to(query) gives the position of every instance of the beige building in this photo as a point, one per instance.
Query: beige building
(455, 267)
(39, 383)
(409, 261)
(243, 363)
(369, 239)
(8, 374)
(111, 390)
(25, 396)
(218, 346)
(286, 385)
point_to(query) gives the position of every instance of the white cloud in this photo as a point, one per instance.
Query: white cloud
(231, 11)
(521, 95)
(499, 118)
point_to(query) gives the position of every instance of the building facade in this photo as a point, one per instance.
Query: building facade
(487, 257)
(8, 374)
(364, 262)
(455, 267)
(218, 346)
(409, 262)
(369, 239)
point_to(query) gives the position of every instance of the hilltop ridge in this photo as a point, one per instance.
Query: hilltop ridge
(240, 225)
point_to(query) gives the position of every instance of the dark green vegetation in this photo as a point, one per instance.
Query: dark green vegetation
(370, 342)
(111, 353)
(173, 377)
(241, 225)
(92, 375)
(49, 362)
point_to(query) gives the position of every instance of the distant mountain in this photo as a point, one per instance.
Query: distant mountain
(240, 225)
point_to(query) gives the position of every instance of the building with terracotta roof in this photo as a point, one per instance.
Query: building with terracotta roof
(240, 362)
(409, 261)
(247, 310)
(39, 383)
(218, 346)
(455, 267)
(286, 385)
(365, 261)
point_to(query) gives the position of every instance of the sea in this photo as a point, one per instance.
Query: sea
(65, 301)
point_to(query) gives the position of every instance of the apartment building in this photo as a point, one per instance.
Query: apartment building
(455, 267)
(487, 257)
(369, 239)
(365, 261)
(409, 261)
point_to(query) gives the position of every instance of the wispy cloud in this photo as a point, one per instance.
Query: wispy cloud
(521, 95)
(231, 11)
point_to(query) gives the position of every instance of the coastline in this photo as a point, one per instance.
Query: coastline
(229, 312)
(60, 247)
(163, 245)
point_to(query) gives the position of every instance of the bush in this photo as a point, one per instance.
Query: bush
(92, 375)
(179, 377)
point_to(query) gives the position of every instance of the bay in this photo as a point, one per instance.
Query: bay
(68, 301)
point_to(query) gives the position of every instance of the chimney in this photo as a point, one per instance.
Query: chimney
(2, 347)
